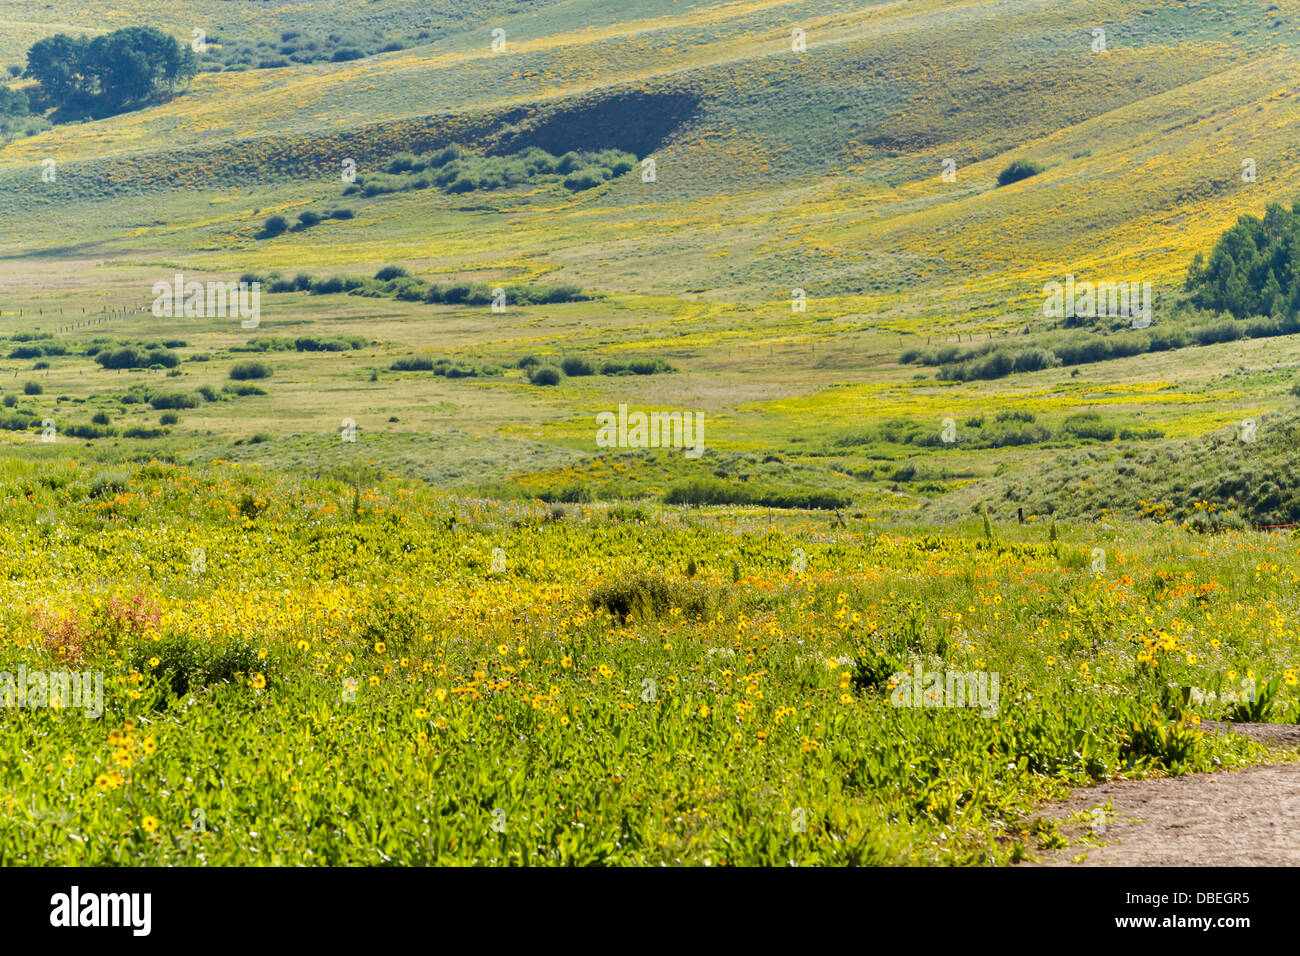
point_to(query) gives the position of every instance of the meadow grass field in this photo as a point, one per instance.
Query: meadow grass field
(297, 672)
(364, 585)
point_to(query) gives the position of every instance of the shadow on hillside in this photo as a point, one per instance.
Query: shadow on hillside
(636, 121)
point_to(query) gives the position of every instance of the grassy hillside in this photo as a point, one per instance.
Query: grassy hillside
(862, 336)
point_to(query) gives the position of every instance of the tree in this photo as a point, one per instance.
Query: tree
(55, 63)
(111, 73)
(13, 102)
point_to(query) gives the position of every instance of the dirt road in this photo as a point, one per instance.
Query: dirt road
(1240, 818)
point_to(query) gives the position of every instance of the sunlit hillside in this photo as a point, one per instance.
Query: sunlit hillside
(567, 431)
(849, 151)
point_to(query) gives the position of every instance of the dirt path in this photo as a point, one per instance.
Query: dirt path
(1238, 818)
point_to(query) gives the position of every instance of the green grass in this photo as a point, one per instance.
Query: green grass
(441, 659)
(774, 171)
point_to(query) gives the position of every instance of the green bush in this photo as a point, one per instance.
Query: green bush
(545, 375)
(649, 595)
(187, 665)
(75, 430)
(709, 492)
(273, 227)
(1018, 170)
(242, 371)
(412, 365)
(106, 484)
(173, 400)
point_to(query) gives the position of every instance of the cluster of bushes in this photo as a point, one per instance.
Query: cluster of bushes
(305, 44)
(184, 665)
(82, 76)
(445, 367)
(1253, 274)
(543, 373)
(1007, 428)
(275, 225)
(453, 170)
(303, 343)
(393, 282)
(1205, 483)
(88, 431)
(108, 353)
(141, 394)
(576, 367)
(572, 494)
(131, 356)
(33, 350)
(25, 420)
(990, 360)
(19, 420)
(708, 492)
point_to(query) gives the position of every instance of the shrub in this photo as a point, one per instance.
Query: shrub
(331, 286)
(649, 595)
(173, 400)
(1215, 333)
(627, 513)
(273, 226)
(585, 179)
(87, 431)
(636, 367)
(242, 391)
(242, 371)
(545, 375)
(570, 494)
(574, 367)
(168, 418)
(106, 484)
(17, 422)
(1018, 170)
(32, 388)
(390, 272)
(132, 357)
(709, 492)
(185, 665)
